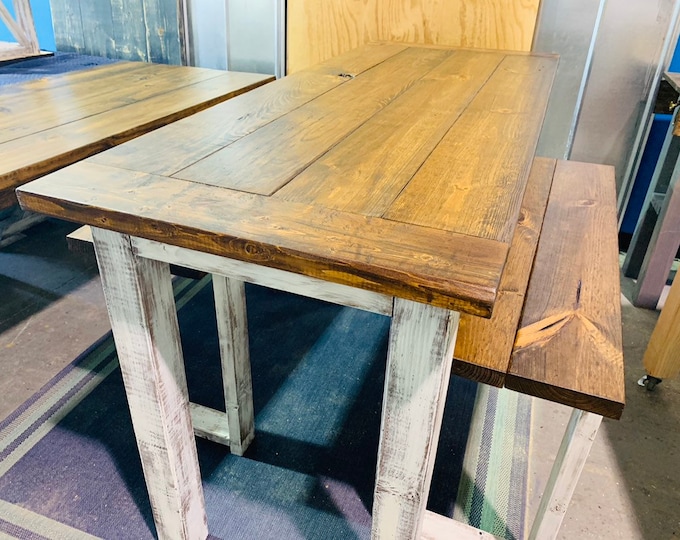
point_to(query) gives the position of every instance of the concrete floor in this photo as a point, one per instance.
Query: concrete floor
(52, 310)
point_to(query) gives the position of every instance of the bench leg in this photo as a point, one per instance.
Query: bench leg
(661, 251)
(232, 327)
(419, 360)
(141, 307)
(571, 457)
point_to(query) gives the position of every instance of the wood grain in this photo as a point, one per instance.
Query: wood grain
(484, 346)
(413, 407)
(369, 253)
(71, 77)
(568, 348)
(39, 110)
(183, 143)
(566, 470)
(143, 317)
(22, 28)
(249, 164)
(63, 137)
(265, 276)
(661, 359)
(366, 171)
(438, 527)
(485, 156)
(232, 329)
(320, 29)
(146, 30)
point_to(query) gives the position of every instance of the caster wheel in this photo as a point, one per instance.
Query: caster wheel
(649, 382)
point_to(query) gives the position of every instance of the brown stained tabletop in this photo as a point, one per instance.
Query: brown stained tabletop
(48, 123)
(393, 168)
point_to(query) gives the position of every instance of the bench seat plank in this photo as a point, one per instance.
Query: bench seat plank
(569, 347)
(484, 346)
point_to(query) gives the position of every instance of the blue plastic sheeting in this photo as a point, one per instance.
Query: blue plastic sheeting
(644, 176)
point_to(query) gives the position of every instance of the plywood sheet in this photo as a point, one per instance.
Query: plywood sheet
(321, 29)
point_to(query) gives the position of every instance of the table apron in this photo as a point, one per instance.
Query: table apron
(263, 275)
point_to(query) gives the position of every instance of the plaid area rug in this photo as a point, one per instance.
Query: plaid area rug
(69, 466)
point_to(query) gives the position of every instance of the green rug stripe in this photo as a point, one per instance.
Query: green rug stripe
(488, 498)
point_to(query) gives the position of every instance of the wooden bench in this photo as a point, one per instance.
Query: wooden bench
(568, 344)
(564, 345)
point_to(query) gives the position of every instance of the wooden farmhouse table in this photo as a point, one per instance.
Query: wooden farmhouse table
(388, 179)
(48, 123)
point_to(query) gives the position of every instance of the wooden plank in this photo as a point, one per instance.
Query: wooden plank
(31, 112)
(129, 31)
(7, 198)
(248, 164)
(366, 171)
(24, 16)
(437, 527)
(16, 29)
(32, 156)
(661, 359)
(68, 78)
(568, 348)
(210, 424)
(183, 143)
(14, 51)
(98, 28)
(484, 346)
(162, 31)
(143, 317)
(369, 253)
(262, 275)
(507, 115)
(318, 30)
(232, 329)
(566, 470)
(68, 25)
(419, 358)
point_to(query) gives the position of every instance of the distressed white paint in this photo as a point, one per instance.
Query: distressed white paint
(436, 527)
(232, 329)
(143, 317)
(422, 339)
(22, 27)
(571, 457)
(269, 277)
(210, 424)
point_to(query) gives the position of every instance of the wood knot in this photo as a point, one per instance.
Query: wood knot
(346, 75)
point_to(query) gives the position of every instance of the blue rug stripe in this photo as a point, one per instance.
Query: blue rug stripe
(60, 403)
(478, 499)
(518, 474)
(19, 532)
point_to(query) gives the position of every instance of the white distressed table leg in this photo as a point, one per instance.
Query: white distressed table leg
(571, 457)
(232, 326)
(419, 359)
(141, 307)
